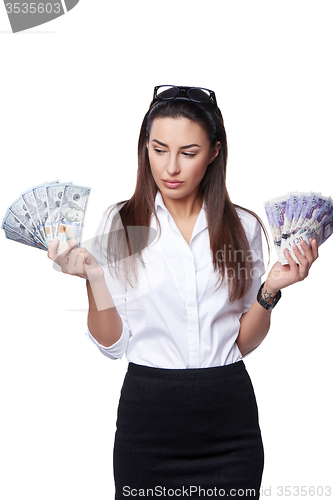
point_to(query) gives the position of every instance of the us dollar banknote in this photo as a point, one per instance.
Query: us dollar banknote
(49, 210)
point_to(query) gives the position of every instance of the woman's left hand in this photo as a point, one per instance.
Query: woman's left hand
(281, 276)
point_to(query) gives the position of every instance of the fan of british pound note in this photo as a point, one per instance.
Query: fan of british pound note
(49, 210)
(298, 216)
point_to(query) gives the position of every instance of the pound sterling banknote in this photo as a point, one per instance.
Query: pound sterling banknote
(297, 217)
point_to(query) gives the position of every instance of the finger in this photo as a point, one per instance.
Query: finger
(85, 252)
(67, 246)
(78, 258)
(89, 259)
(81, 271)
(81, 264)
(314, 246)
(52, 250)
(62, 257)
(73, 263)
(78, 268)
(307, 251)
(304, 263)
(299, 254)
(292, 263)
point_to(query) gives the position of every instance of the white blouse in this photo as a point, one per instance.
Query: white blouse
(175, 318)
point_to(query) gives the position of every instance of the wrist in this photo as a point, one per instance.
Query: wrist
(268, 292)
(97, 281)
(96, 275)
(267, 297)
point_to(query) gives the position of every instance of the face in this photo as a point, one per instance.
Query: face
(179, 150)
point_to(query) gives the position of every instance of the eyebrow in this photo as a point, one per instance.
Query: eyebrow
(183, 147)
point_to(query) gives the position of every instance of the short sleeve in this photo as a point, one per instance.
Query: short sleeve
(117, 350)
(98, 248)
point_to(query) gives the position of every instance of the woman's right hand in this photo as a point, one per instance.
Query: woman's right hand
(75, 260)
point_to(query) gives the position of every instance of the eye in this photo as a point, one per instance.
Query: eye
(159, 151)
(189, 155)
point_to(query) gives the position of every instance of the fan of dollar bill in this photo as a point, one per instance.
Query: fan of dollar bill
(297, 217)
(49, 210)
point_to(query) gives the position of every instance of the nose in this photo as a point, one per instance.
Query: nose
(173, 167)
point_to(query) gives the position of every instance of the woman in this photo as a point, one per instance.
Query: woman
(174, 281)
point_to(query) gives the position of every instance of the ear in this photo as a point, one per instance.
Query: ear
(215, 152)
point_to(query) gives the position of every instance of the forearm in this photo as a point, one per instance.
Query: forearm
(255, 323)
(104, 321)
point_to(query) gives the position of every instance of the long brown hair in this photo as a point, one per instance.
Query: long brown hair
(224, 225)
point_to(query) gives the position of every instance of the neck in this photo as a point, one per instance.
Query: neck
(184, 208)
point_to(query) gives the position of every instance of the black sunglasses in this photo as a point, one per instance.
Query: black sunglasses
(195, 94)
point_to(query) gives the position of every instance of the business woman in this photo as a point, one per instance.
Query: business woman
(174, 283)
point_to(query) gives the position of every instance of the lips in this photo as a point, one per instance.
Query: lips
(172, 184)
(169, 181)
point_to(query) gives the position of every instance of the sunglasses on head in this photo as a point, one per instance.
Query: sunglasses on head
(195, 94)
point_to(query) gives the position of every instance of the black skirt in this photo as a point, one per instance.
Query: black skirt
(187, 433)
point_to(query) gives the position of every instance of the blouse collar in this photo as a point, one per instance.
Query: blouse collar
(160, 203)
(201, 222)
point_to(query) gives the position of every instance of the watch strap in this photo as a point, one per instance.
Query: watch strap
(268, 305)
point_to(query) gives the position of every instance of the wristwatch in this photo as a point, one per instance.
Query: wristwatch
(267, 305)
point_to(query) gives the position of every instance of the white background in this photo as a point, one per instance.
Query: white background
(73, 95)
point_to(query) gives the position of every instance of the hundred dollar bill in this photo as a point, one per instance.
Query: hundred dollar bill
(30, 204)
(40, 195)
(34, 218)
(17, 233)
(54, 198)
(16, 227)
(72, 213)
(65, 234)
(12, 235)
(20, 211)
